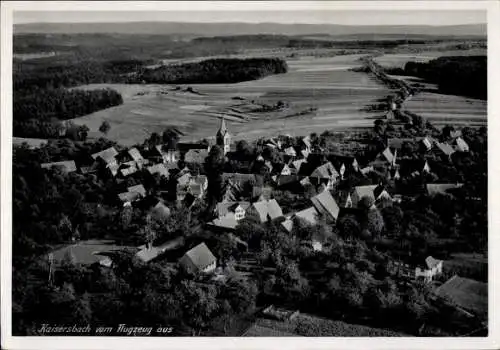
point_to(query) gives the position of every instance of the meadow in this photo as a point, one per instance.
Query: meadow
(398, 60)
(318, 94)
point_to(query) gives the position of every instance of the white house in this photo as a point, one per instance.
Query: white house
(199, 260)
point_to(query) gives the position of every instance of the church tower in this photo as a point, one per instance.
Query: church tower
(223, 138)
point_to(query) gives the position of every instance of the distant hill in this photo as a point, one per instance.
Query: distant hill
(221, 29)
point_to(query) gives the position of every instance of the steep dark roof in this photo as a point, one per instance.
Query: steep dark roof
(222, 129)
(325, 171)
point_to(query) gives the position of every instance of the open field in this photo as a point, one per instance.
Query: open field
(319, 93)
(398, 60)
(443, 109)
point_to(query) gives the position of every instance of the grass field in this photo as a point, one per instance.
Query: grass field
(398, 60)
(440, 109)
(320, 93)
(445, 109)
(308, 325)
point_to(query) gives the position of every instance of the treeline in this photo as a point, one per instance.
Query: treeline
(34, 76)
(458, 75)
(63, 104)
(38, 114)
(213, 71)
(41, 98)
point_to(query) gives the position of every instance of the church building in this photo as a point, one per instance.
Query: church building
(223, 138)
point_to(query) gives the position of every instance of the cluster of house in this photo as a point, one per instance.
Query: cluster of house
(246, 194)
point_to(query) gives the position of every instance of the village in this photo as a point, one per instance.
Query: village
(295, 184)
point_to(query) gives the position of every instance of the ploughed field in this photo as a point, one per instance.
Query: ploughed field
(443, 109)
(316, 94)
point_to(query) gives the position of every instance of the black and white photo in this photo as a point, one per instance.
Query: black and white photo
(261, 172)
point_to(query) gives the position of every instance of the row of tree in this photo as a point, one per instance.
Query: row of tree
(458, 75)
(213, 71)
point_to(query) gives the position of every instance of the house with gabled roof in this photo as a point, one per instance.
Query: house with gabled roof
(326, 205)
(445, 149)
(326, 172)
(267, 210)
(461, 145)
(229, 212)
(290, 151)
(309, 215)
(295, 165)
(306, 143)
(67, 166)
(108, 155)
(133, 193)
(374, 192)
(199, 260)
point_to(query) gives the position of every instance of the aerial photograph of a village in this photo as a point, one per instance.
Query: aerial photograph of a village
(250, 174)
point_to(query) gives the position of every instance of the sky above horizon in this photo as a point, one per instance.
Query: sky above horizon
(343, 17)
